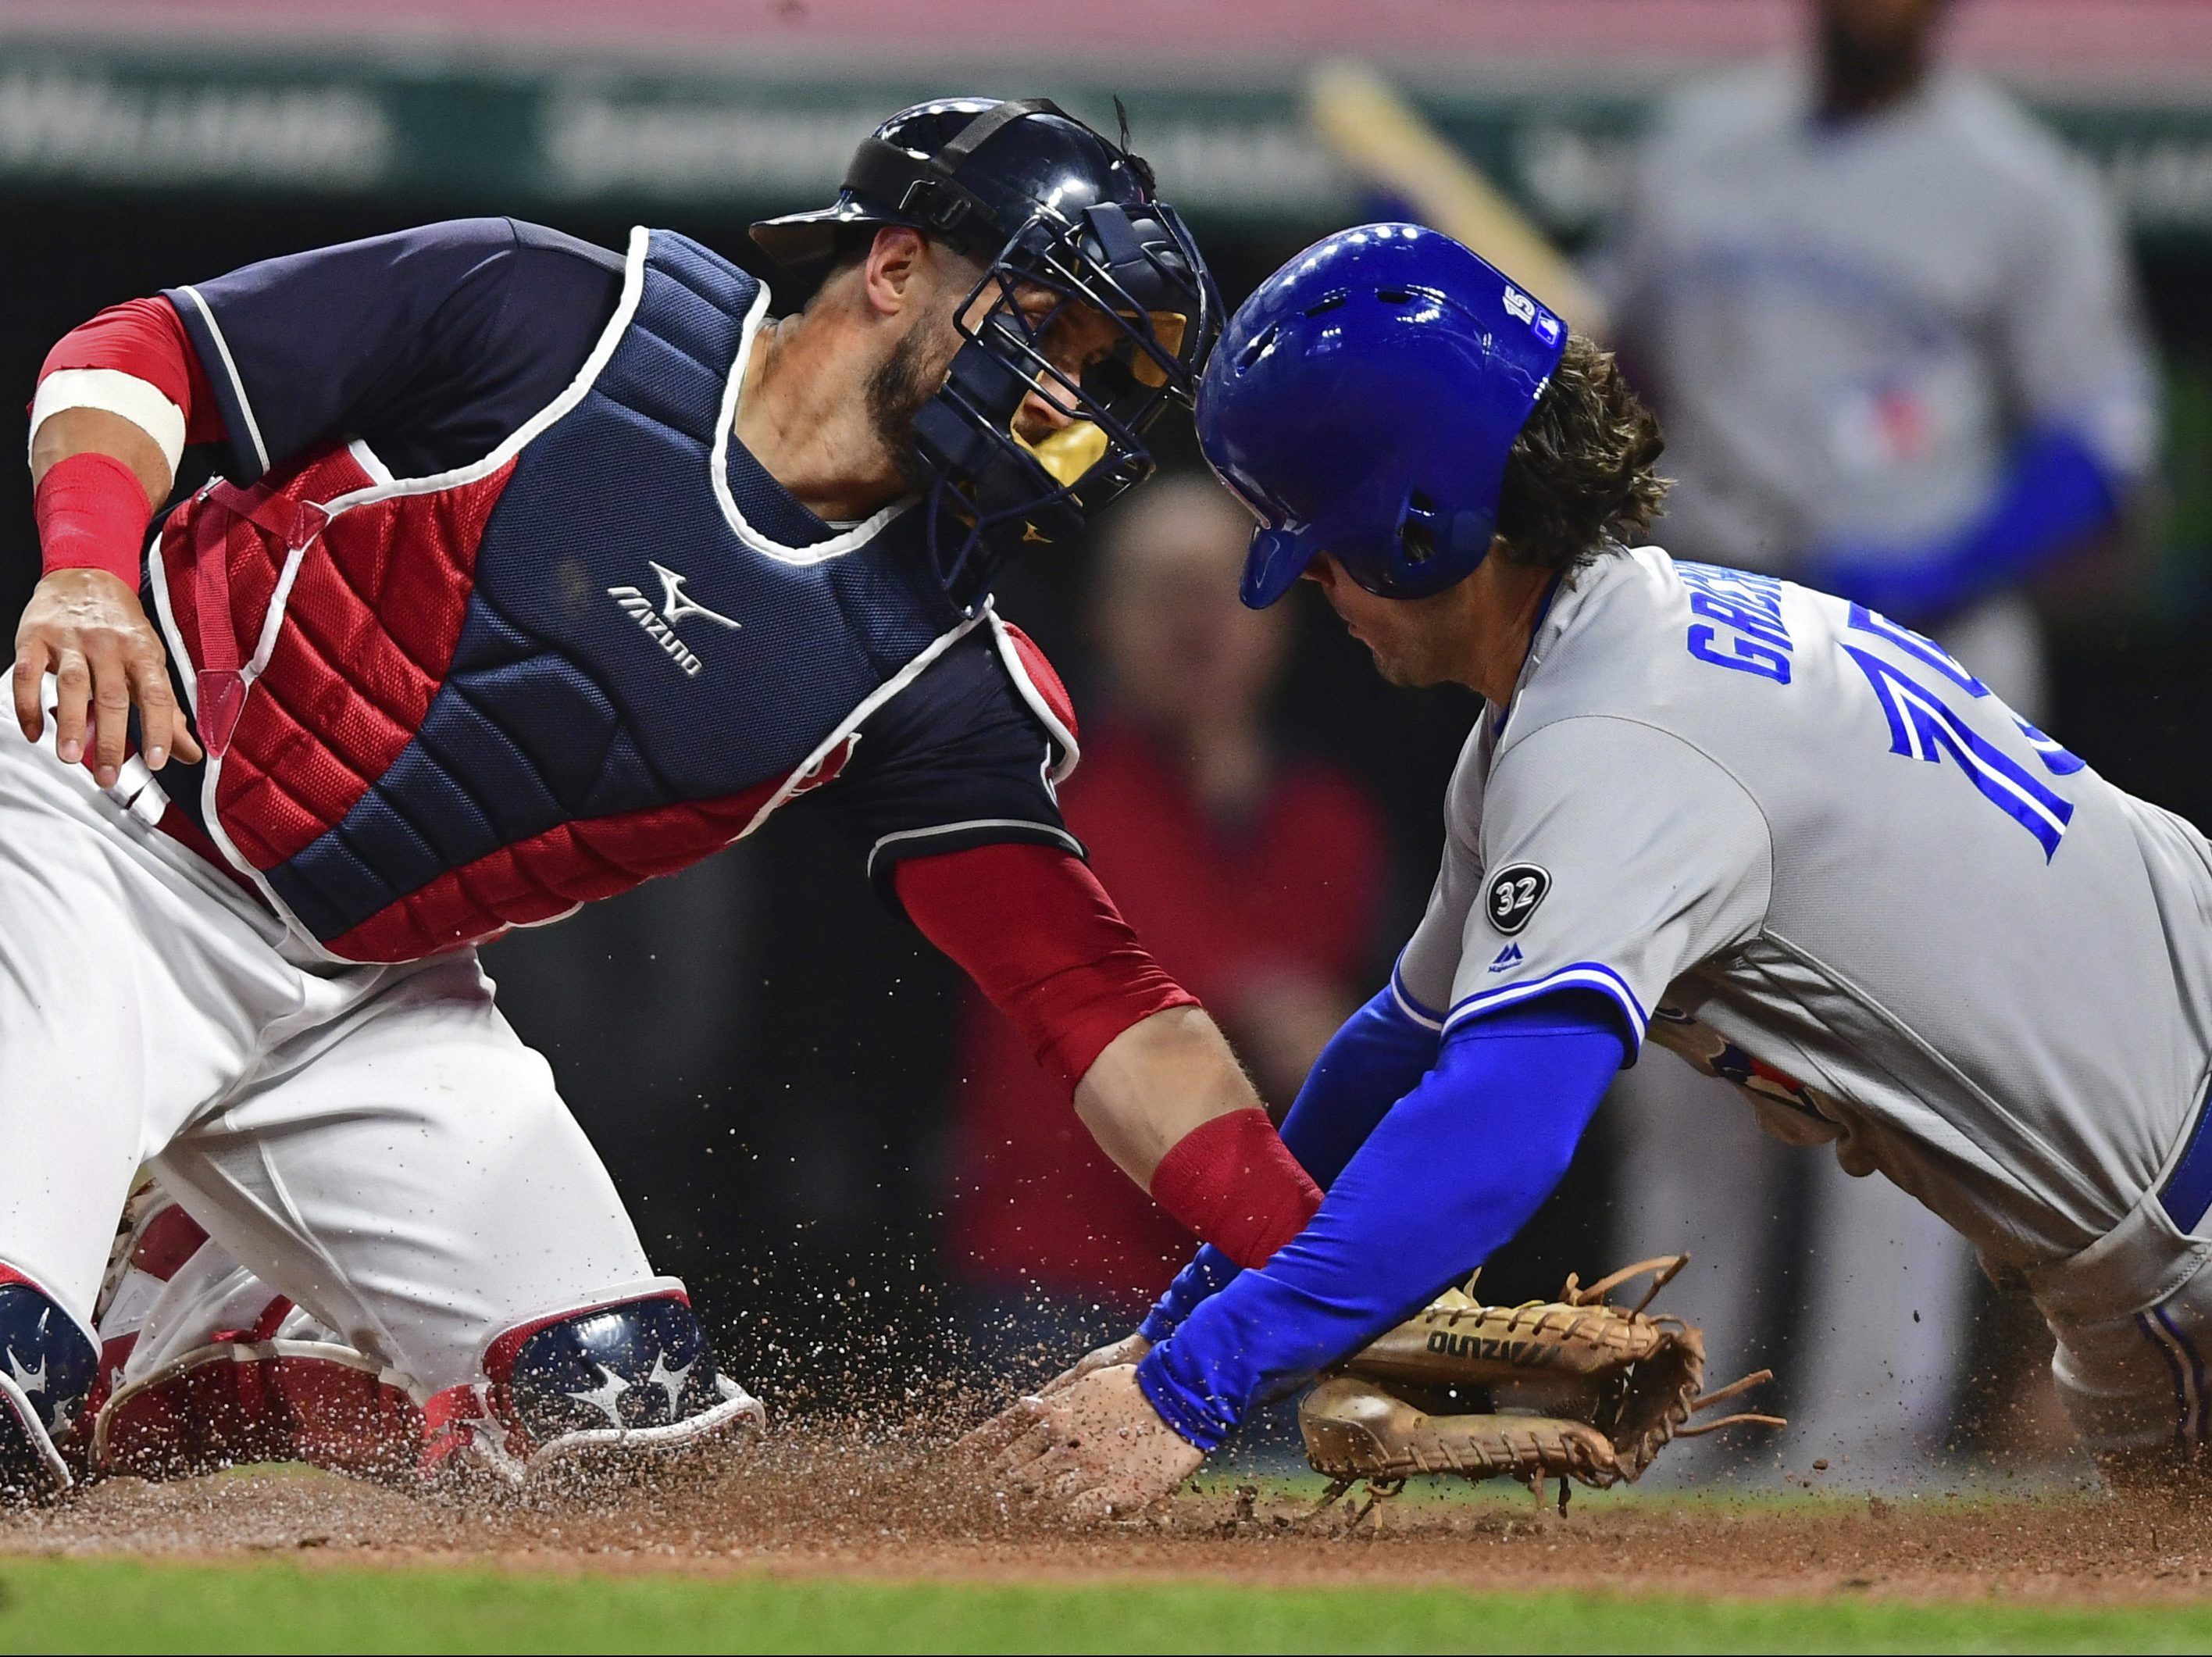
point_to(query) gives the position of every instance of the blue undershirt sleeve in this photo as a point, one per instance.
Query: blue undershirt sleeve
(2055, 490)
(1378, 1057)
(1452, 1172)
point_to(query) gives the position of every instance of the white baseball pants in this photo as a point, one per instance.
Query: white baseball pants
(374, 1141)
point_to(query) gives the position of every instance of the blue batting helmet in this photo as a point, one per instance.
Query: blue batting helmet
(1363, 403)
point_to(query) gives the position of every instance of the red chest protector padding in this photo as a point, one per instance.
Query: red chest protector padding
(377, 598)
(372, 618)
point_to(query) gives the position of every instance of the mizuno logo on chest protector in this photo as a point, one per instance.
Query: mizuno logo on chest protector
(660, 624)
(490, 747)
(675, 605)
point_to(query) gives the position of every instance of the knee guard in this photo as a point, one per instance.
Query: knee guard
(47, 1367)
(203, 1366)
(635, 1375)
(242, 1399)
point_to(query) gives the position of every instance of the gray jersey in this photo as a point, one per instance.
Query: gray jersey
(1845, 327)
(1810, 851)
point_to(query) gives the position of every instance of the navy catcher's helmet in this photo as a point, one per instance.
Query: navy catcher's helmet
(1045, 202)
(1364, 403)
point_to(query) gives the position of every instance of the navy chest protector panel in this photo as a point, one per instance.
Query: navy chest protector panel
(634, 677)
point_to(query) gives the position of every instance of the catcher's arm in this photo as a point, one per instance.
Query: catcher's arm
(1152, 1077)
(1377, 1056)
(1452, 1171)
(116, 403)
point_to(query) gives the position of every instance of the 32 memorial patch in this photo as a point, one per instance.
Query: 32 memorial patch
(1515, 891)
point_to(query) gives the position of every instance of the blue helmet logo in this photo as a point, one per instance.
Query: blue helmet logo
(1363, 403)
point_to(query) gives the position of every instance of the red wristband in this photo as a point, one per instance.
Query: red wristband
(1236, 1184)
(92, 514)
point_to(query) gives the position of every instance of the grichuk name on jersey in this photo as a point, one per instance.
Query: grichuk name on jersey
(659, 627)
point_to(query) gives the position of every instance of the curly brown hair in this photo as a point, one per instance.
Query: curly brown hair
(1580, 476)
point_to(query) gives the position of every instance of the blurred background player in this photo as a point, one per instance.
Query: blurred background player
(1891, 330)
(1253, 875)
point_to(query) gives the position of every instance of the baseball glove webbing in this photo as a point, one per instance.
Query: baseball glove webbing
(1576, 1389)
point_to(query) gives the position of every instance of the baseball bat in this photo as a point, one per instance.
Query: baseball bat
(1379, 138)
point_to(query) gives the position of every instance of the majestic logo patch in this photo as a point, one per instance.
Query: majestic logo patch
(1514, 893)
(1508, 957)
(660, 624)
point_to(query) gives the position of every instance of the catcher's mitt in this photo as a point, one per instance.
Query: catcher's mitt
(1571, 1388)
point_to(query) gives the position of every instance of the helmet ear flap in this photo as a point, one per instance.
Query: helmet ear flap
(1437, 546)
(1273, 565)
(1469, 534)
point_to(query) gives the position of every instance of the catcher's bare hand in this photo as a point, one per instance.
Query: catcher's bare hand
(88, 630)
(1098, 1446)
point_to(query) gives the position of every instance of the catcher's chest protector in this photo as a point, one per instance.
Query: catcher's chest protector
(438, 708)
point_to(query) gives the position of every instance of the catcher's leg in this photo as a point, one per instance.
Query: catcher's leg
(203, 1365)
(126, 983)
(409, 1178)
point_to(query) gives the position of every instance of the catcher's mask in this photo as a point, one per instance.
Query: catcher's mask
(1057, 211)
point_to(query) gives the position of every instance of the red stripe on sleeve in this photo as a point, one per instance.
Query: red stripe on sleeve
(145, 338)
(1033, 927)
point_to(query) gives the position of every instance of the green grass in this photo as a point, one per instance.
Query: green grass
(114, 1605)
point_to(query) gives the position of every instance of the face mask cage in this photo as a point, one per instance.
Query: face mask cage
(1107, 319)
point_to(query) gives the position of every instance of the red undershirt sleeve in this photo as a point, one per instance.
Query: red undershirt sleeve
(1033, 927)
(91, 508)
(1039, 935)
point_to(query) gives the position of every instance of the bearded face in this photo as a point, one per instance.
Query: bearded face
(1071, 338)
(908, 377)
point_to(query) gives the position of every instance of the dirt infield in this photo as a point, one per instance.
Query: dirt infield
(823, 1503)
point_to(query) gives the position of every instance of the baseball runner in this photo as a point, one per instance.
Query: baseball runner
(1771, 829)
(1889, 325)
(535, 570)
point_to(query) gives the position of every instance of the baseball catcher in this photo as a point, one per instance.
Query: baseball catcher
(533, 570)
(1791, 840)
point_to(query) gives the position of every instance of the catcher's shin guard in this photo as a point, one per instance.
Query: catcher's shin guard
(47, 1366)
(631, 1379)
